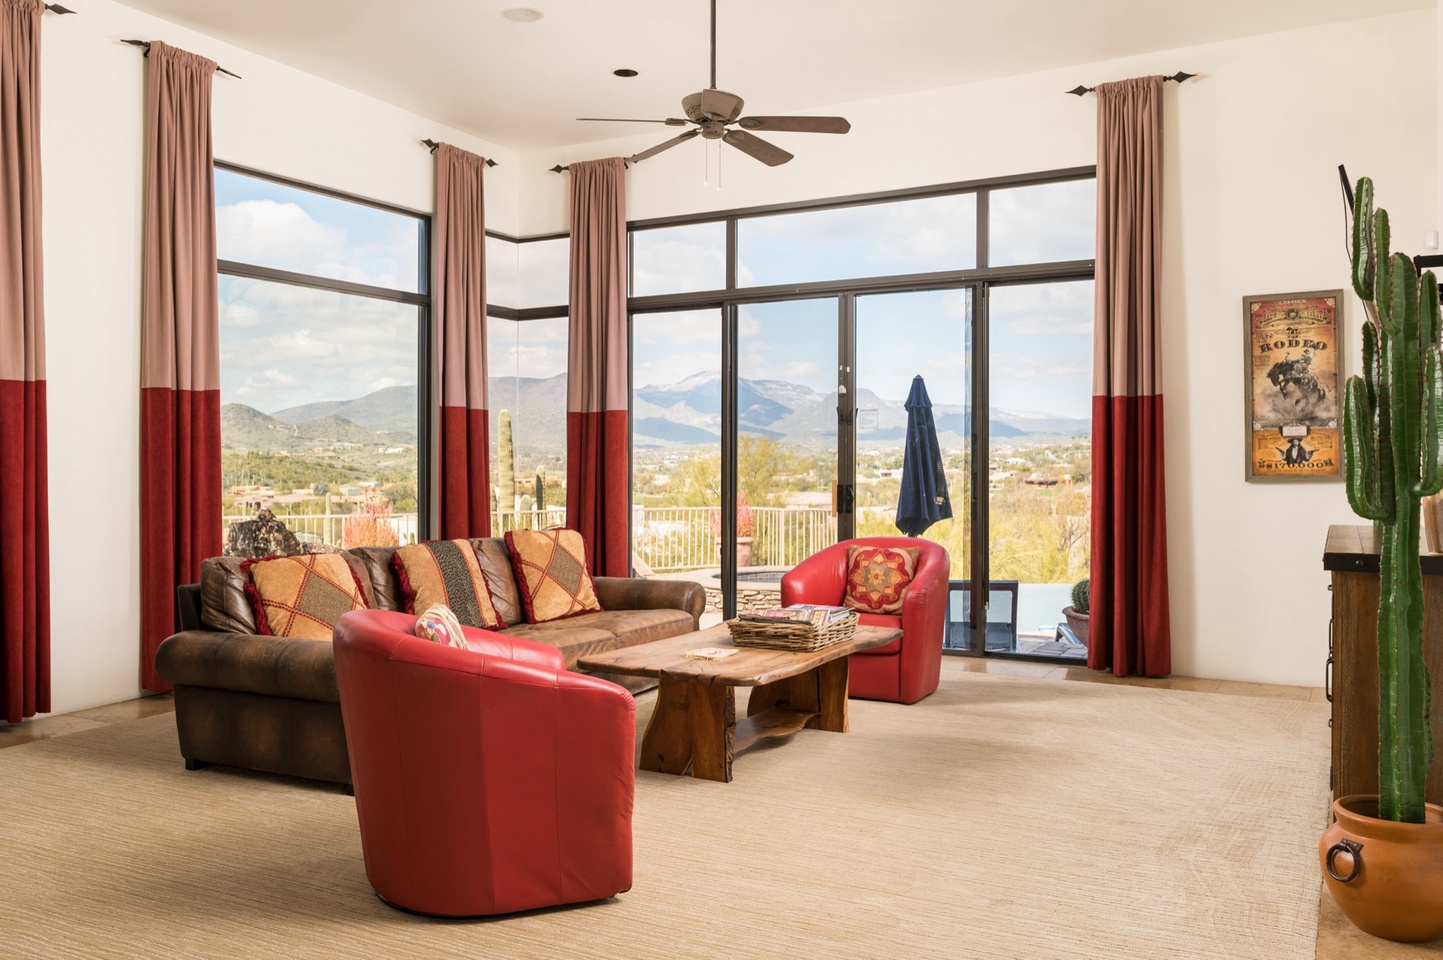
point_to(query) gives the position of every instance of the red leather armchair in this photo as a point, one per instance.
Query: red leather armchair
(487, 781)
(907, 669)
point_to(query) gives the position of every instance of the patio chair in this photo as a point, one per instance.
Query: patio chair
(908, 668)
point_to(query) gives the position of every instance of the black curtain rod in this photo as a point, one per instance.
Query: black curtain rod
(146, 45)
(1178, 77)
(432, 145)
(57, 9)
(562, 169)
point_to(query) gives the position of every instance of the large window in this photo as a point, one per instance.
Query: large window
(323, 321)
(769, 389)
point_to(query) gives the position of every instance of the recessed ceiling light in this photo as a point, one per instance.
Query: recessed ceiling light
(624, 72)
(522, 14)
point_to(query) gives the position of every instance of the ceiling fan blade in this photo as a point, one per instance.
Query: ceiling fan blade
(757, 148)
(798, 124)
(669, 121)
(680, 138)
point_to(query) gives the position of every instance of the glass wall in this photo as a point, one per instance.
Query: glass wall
(320, 419)
(527, 395)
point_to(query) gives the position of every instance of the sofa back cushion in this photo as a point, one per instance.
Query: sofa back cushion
(225, 602)
(385, 590)
(496, 565)
(550, 568)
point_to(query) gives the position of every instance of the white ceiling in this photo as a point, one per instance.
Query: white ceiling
(521, 85)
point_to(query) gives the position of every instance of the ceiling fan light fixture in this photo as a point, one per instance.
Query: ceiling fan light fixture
(522, 14)
(624, 72)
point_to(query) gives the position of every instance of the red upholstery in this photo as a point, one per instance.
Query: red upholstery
(487, 780)
(907, 669)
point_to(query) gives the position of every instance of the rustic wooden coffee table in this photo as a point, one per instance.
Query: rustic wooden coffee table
(694, 724)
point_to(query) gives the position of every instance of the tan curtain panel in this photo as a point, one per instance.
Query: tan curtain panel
(1129, 631)
(25, 521)
(180, 518)
(460, 303)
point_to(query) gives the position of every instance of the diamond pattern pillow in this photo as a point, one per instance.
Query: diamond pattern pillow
(302, 596)
(877, 577)
(550, 567)
(446, 572)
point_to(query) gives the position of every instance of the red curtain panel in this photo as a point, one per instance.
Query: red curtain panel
(24, 523)
(180, 516)
(597, 463)
(1129, 629)
(460, 302)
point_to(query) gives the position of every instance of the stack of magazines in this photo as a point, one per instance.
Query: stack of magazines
(801, 626)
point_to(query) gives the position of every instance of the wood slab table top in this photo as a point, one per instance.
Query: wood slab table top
(748, 667)
(693, 726)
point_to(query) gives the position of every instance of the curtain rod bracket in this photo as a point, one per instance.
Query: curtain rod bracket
(145, 45)
(1178, 77)
(431, 145)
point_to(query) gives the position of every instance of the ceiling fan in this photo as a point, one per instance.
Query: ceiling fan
(712, 111)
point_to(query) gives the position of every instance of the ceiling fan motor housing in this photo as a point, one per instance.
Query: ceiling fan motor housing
(712, 104)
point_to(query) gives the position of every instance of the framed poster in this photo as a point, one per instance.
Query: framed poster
(1293, 393)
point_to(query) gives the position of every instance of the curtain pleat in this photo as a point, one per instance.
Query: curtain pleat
(24, 522)
(598, 466)
(180, 513)
(1129, 632)
(460, 303)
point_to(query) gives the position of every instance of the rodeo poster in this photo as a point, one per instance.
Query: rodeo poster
(1294, 372)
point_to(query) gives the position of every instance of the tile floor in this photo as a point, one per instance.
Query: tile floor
(1337, 938)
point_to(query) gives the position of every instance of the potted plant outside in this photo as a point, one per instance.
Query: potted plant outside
(1077, 613)
(1383, 856)
(746, 527)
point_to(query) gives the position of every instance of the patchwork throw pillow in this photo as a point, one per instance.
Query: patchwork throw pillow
(302, 596)
(877, 577)
(446, 572)
(439, 625)
(550, 567)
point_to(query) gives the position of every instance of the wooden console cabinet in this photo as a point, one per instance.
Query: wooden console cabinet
(1352, 558)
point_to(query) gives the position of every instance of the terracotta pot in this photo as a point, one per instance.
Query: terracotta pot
(1077, 622)
(744, 551)
(1386, 877)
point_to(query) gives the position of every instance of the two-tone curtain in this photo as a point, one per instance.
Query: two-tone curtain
(597, 462)
(1129, 628)
(460, 303)
(180, 513)
(25, 520)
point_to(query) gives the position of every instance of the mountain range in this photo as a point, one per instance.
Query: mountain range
(685, 413)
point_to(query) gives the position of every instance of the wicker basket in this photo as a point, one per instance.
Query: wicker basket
(776, 634)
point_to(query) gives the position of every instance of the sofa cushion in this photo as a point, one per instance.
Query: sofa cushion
(446, 572)
(877, 577)
(224, 604)
(496, 566)
(550, 569)
(380, 576)
(566, 636)
(631, 627)
(302, 596)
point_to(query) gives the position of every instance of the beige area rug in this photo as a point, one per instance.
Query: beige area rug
(1001, 818)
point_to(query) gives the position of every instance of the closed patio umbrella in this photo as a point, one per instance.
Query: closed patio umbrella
(924, 498)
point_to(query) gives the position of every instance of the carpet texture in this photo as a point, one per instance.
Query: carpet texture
(1000, 818)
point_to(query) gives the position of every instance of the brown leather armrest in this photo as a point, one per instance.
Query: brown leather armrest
(638, 593)
(274, 666)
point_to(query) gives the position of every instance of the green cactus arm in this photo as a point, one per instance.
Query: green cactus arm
(1428, 312)
(1383, 290)
(1363, 262)
(1372, 370)
(1360, 459)
(1430, 477)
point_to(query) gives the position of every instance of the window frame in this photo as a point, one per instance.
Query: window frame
(425, 417)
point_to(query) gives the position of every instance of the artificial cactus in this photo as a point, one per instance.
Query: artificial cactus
(506, 465)
(1391, 426)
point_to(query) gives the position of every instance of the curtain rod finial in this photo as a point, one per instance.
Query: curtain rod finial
(1180, 76)
(1080, 90)
(57, 9)
(558, 169)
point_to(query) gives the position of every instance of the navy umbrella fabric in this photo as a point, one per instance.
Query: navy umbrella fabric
(924, 498)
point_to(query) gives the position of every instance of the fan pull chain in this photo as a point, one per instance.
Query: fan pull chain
(705, 164)
(718, 165)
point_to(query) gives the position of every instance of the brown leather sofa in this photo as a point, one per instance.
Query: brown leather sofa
(271, 704)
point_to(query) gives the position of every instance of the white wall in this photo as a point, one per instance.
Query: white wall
(277, 120)
(1252, 206)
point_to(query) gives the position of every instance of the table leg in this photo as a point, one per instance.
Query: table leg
(821, 691)
(693, 725)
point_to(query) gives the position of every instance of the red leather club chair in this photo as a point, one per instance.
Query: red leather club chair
(908, 668)
(488, 780)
